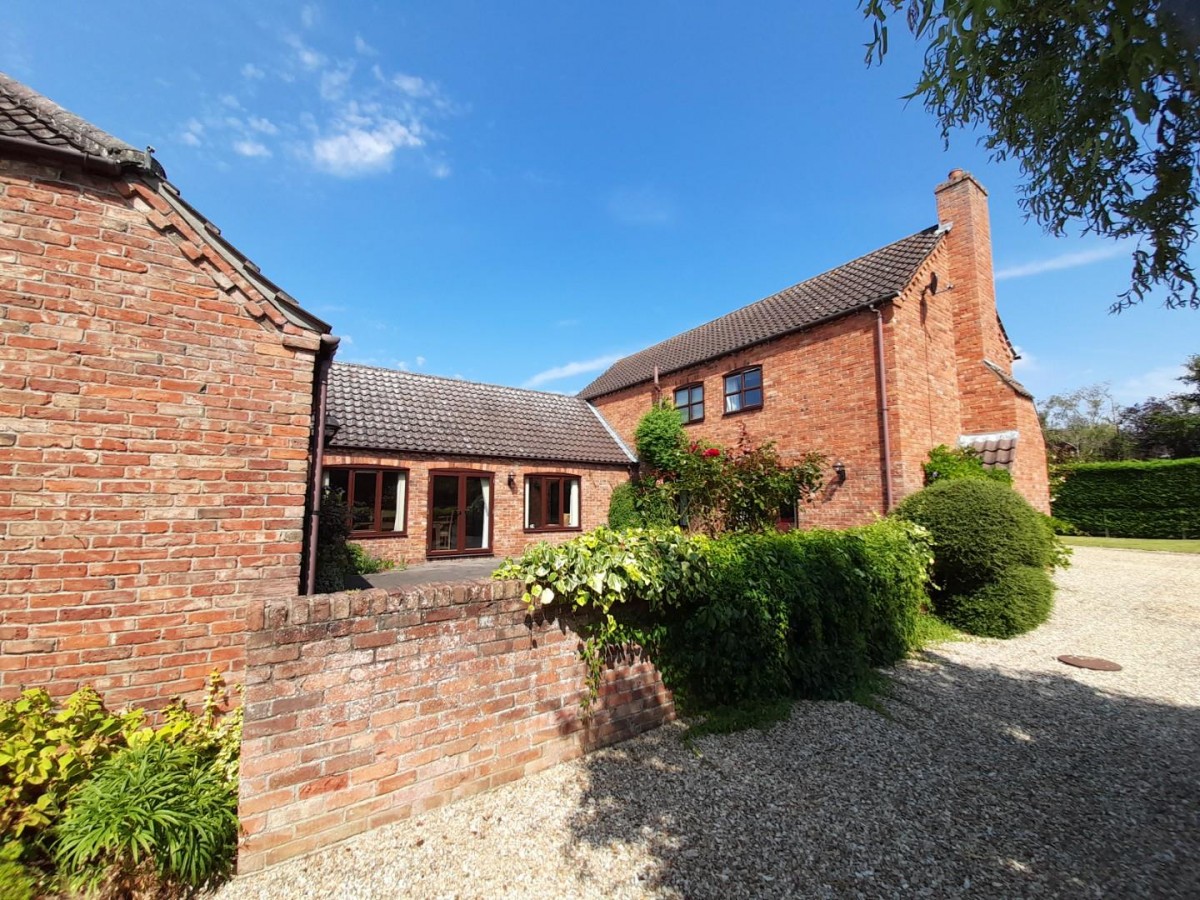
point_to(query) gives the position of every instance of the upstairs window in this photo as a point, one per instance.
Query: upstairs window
(551, 502)
(743, 390)
(376, 499)
(689, 400)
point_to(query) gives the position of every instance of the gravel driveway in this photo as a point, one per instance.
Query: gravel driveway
(996, 772)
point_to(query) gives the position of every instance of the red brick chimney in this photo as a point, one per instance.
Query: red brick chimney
(987, 402)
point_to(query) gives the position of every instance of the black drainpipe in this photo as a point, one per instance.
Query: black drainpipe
(329, 345)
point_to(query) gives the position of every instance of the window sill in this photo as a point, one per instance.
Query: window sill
(553, 530)
(745, 409)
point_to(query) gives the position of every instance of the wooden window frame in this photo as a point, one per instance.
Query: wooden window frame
(689, 387)
(461, 531)
(741, 392)
(379, 471)
(564, 478)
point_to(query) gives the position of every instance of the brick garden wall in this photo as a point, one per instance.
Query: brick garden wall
(509, 537)
(154, 426)
(364, 708)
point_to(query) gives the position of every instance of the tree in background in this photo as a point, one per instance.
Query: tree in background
(1168, 428)
(1084, 425)
(1098, 101)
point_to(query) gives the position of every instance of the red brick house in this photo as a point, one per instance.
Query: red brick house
(164, 438)
(872, 363)
(156, 408)
(434, 467)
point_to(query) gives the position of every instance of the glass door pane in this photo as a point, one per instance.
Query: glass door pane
(443, 518)
(476, 514)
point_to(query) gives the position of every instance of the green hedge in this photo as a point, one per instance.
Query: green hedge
(805, 614)
(1154, 499)
(743, 616)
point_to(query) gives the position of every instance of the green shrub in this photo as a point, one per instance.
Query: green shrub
(806, 613)
(363, 562)
(744, 616)
(622, 507)
(1058, 526)
(1146, 499)
(962, 462)
(1018, 601)
(980, 528)
(17, 881)
(46, 753)
(659, 438)
(158, 806)
(50, 752)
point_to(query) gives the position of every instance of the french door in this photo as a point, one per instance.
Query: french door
(460, 513)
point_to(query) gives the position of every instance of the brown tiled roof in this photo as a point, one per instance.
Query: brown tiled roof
(869, 279)
(384, 409)
(996, 451)
(27, 116)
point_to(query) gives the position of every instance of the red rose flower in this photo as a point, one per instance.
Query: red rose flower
(712, 451)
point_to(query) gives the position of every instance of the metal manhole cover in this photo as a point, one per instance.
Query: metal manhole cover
(1090, 662)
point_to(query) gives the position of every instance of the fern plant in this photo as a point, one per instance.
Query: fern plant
(158, 807)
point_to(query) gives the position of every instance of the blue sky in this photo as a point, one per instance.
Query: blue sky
(522, 192)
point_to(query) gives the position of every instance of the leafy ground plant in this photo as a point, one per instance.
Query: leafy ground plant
(157, 810)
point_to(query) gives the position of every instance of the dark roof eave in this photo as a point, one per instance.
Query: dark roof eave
(840, 314)
(354, 448)
(90, 162)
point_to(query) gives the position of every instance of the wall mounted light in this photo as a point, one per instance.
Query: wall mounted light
(839, 469)
(512, 480)
(332, 426)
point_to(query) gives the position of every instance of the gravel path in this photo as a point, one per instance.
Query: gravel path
(995, 772)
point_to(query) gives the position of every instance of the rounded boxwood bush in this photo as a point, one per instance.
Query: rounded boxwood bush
(1018, 601)
(980, 529)
(622, 507)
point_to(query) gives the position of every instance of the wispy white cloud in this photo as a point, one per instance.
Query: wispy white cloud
(250, 148)
(1073, 260)
(1162, 381)
(568, 370)
(639, 206)
(305, 55)
(336, 113)
(262, 125)
(420, 361)
(310, 15)
(362, 150)
(335, 80)
(192, 133)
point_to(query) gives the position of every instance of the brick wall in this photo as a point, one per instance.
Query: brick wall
(509, 537)
(154, 426)
(922, 373)
(820, 394)
(1030, 474)
(367, 707)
